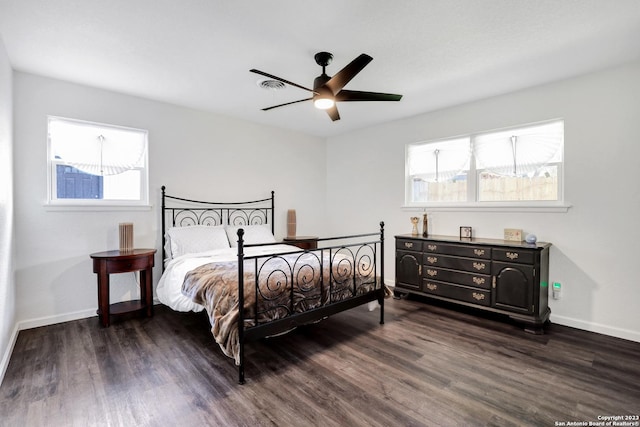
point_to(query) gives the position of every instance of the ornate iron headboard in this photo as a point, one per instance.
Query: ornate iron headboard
(185, 212)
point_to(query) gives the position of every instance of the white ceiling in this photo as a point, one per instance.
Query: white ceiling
(198, 53)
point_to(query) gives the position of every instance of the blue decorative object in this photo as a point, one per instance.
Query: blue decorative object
(531, 238)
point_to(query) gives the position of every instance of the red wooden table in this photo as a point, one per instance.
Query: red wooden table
(109, 262)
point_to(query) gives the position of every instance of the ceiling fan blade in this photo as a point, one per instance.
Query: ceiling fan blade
(344, 76)
(333, 113)
(287, 103)
(356, 95)
(271, 76)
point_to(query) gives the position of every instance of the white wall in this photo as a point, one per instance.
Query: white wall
(7, 284)
(195, 154)
(594, 243)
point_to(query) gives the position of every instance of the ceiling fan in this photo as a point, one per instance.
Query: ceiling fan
(328, 90)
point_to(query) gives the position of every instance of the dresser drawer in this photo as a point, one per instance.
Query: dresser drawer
(458, 263)
(521, 256)
(409, 245)
(459, 250)
(462, 293)
(461, 277)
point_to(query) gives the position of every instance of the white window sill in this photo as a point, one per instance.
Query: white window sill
(560, 207)
(61, 207)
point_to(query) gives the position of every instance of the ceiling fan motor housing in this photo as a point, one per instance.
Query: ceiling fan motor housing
(319, 81)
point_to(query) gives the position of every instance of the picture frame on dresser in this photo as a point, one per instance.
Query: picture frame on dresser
(465, 232)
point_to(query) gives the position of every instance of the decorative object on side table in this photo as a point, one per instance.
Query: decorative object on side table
(531, 238)
(513, 234)
(414, 221)
(126, 236)
(465, 232)
(425, 225)
(291, 223)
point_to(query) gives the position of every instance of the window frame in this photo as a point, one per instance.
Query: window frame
(54, 203)
(473, 188)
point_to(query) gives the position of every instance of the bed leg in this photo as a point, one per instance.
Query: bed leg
(241, 373)
(241, 365)
(381, 302)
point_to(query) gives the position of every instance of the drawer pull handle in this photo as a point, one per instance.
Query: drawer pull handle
(478, 296)
(432, 259)
(478, 252)
(478, 280)
(512, 255)
(432, 287)
(432, 273)
(432, 247)
(408, 244)
(479, 266)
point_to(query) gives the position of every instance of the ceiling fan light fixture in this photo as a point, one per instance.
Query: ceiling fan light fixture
(323, 99)
(324, 103)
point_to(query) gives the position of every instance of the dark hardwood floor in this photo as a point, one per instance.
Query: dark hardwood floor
(428, 365)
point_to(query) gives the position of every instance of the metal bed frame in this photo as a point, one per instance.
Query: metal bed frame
(350, 257)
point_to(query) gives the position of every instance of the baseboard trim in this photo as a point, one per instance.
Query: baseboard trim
(596, 327)
(7, 354)
(52, 320)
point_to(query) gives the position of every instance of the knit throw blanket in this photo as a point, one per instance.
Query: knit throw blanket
(275, 287)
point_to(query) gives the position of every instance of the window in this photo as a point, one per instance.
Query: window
(514, 166)
(96, 164)
(438, 170)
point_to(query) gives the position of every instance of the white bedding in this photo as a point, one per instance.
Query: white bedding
(169, 290)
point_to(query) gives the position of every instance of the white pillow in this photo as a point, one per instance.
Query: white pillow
(253, 234)
(196, 238)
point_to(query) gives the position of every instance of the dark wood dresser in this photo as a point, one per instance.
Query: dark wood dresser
(501, 276)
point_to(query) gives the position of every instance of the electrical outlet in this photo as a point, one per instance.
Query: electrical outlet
(557, 290)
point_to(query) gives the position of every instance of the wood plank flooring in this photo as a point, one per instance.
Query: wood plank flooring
(428, 365)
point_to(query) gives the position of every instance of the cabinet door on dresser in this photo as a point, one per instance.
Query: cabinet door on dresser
(513, 287)
(409, 264)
